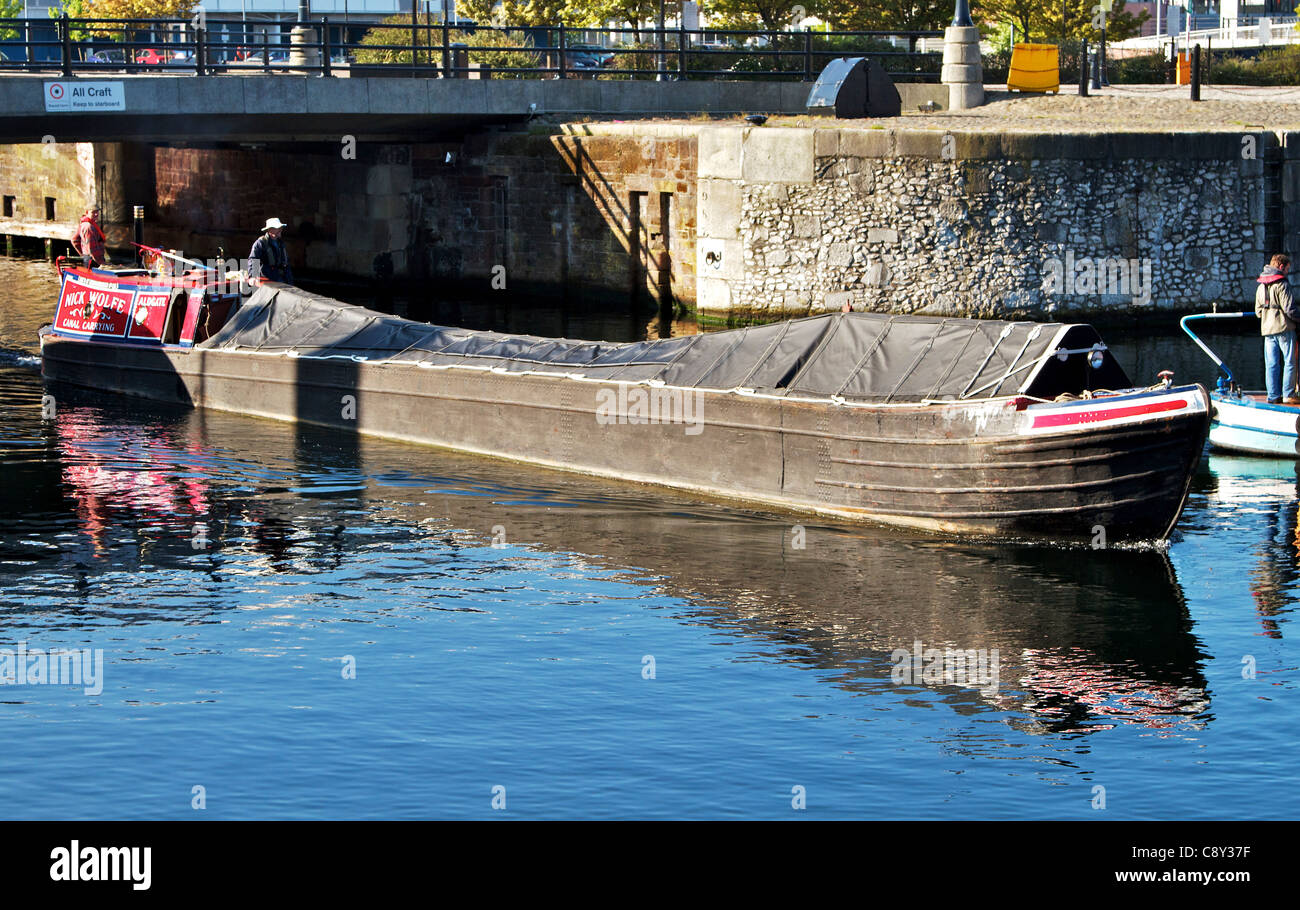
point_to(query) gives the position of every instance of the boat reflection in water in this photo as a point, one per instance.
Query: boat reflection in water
(1271, 488)
(1084, 640)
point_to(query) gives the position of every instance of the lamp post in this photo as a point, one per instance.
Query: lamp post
(1106, 6)
(660, 63)
(961, 15)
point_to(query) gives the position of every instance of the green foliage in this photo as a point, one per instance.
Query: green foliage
(644, 65)
(1147, 69)
(887, 15)
(1273, 66)
(73, 9)
(640, 13)
(770, 15)
(10, 9)
(511, 56)
(1054, 22)
(511, 44)
(549, 12)
(132, 9)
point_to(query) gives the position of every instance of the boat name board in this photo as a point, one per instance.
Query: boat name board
(88, 307)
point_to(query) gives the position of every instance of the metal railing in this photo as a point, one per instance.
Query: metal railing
(84, 47)
(1225, 31)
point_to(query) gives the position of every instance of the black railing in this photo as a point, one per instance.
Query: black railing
(88, 47)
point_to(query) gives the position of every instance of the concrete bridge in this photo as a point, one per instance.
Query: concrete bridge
(285, 108)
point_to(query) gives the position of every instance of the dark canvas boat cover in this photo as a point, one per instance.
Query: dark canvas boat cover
(858, 356)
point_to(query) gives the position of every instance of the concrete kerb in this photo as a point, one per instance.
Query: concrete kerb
(402, 96)
(325, 99)
(284, 94)
(152, 94)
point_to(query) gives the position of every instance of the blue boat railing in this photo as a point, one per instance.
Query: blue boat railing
(1226, 380)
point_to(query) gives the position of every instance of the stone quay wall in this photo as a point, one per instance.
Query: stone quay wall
(32, 173)
(606, 211)
(780, 220)
(802, 220)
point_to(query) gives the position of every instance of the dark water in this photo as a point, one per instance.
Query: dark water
(601, 649)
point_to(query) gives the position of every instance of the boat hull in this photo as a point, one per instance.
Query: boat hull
(1243, 424)
(1107, 470)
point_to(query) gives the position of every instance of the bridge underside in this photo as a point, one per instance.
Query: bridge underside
(180, 130)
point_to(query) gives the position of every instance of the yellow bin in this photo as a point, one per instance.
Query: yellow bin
(1035, 68)
(1184, 69)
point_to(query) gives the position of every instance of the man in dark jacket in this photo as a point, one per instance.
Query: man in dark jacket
(268, 250)
(1278, 314)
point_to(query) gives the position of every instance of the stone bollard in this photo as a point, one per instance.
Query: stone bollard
(299, 54)
(963, 71)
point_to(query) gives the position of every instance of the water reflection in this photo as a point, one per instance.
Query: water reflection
(1271, 488)
(1085, 640)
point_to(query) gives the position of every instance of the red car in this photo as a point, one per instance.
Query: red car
(151, 57)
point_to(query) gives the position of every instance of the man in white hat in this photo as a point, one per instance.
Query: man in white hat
(267, 258)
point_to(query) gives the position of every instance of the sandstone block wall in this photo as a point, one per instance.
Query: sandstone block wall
(31, 172)
(608, 209)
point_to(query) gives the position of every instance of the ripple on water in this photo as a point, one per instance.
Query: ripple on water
(312, 629)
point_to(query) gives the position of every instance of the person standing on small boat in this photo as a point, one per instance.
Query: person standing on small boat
(1278, 314)
(268, 251)
(89, 239)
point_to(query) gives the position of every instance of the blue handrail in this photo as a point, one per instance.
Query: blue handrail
(1227, 379)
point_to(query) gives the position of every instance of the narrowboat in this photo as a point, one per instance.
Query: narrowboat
(1246, 421)
(1000, 428)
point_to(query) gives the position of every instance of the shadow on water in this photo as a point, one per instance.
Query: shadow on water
(1084, 639)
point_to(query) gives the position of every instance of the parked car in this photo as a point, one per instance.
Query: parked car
(589, 56)
(115, 56)
(254, 57)
(150, 56)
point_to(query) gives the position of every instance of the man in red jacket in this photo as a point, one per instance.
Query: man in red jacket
(1278, 314)
(89, 241)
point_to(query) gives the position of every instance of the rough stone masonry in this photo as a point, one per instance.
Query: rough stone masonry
(800, 219)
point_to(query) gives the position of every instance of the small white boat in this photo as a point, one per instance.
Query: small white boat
(1242, 421)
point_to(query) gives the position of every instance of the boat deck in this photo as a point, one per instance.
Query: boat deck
(1262, 398)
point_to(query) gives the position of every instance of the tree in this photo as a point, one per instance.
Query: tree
(549, 12)
(73, 9)
(117, 9)
(510, 53)
(1060, 21)
(636, 13)
(1025, 15)
(10, 9)
(889, 15)
(769, 15)
(484, 12)
(139, 9)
